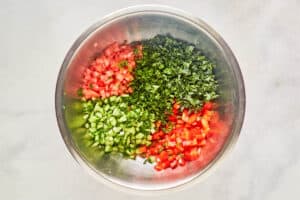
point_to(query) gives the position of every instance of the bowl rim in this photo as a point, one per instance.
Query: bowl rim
(162, 9)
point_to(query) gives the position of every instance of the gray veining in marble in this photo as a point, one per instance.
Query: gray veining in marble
(34, 37)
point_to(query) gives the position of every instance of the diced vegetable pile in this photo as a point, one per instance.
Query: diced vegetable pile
(153, 99)
(110, 73)
(117, 126)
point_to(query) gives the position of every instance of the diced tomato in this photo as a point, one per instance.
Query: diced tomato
(172, 118)
(186, 143)
(157, 124)
(171, 143)
(176, 151)
(192, 154)
(180, 147)
(95, 87)
(192, 118)
(111, 70)
(95, 74)
(156, 136)
(158, 167)
(119, 76)
(191, 135)
(173, 164)
(153, 151)
(179, 121)
(108, 51)
(176, 106)
(208, 106)
(179, 140)
(185, 134)
(204, 124)
(128, 77)
(129, 90)
(181, 161)
(142, 149)
(161, 165)
(185, 115)
(163, 155)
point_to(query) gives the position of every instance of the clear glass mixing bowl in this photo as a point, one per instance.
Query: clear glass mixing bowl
(133, 24)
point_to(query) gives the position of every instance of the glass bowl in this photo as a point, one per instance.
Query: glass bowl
(134, 24)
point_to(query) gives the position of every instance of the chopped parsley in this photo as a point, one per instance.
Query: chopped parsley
(172, 69)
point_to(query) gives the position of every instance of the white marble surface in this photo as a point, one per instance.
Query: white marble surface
(34, 38)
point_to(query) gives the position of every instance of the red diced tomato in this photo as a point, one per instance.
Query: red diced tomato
(142, 149)
(191, 154)
(172, 118)
(156, 136)
(186, 143)
(95, 74)
(189, 135)
(208, 106)
(105, 71)
(89, 93)
(185, 134)
(119, 76)
(129, 90)
(202, 143)
(185, 115)
(204, 123)
(173, 164)
(176, 106)
(162, 165)
(179, 121)
(181, 161)
(157, 124)
(171, 143)
(128, 77)
(192, 118)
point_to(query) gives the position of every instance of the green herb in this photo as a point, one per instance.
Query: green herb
(172, 69)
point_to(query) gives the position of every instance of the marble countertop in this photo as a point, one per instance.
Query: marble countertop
(34, 38)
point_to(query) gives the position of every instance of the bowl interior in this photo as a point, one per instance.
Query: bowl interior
(135, 26)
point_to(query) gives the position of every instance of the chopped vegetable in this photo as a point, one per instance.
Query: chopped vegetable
(117, 126)
(151, 99)
(110, 73)
(186, 139)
